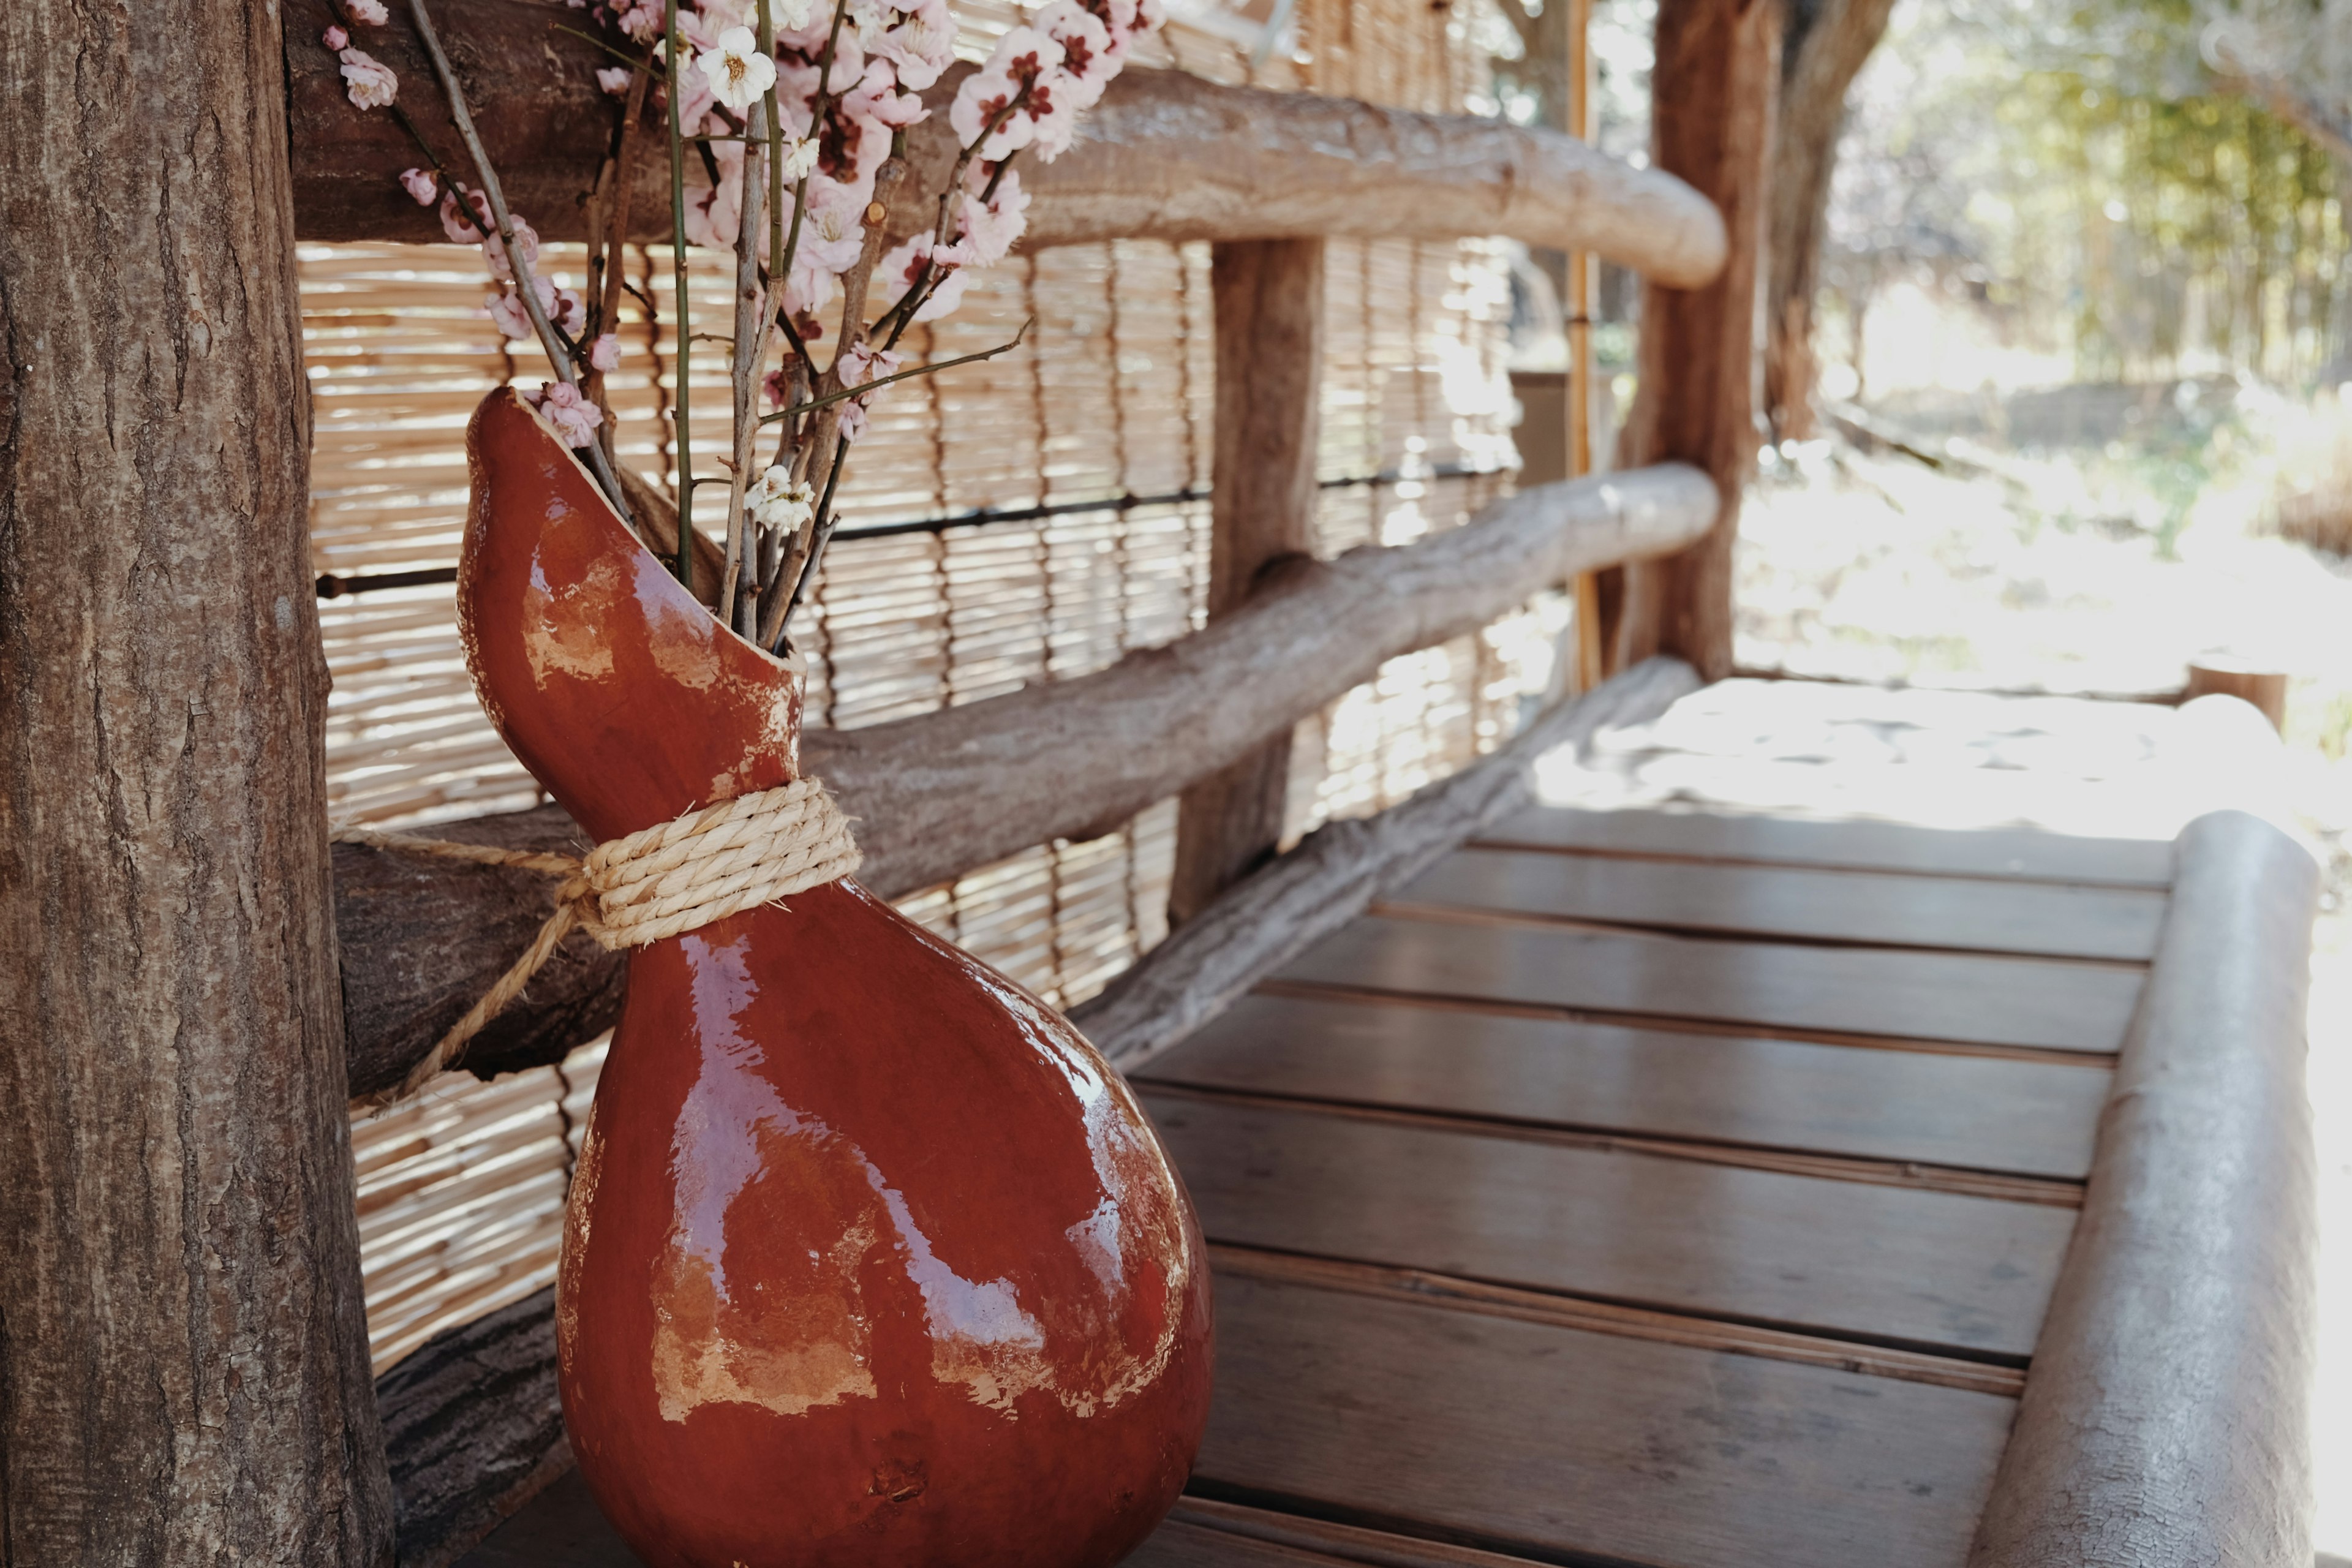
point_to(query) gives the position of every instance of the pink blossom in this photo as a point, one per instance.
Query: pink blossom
(506, 309)
(336, 40)
(494, 249)
(853, 423)
(715, 213)
(563, 306)
(461, 227)
(921, 45)
(695, 99)
(575, 417)
(568, 312)
(862, 362)
(808, 290)
(605, 354)
(877, 98)
(991, 229)
(905, 266)
(1086, 63)
(643, 22)
(614, 79)
(418, 184)
(777, 387)
(832, 232)
(371, 12)
(370, 83)
(1023, 63)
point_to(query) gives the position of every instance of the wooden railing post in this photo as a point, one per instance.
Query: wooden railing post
(1269, 331)
(1714, 86)
(184, 1374)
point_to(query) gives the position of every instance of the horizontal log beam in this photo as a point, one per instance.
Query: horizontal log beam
(1165, 155)
(939, 795)
(1267, 919)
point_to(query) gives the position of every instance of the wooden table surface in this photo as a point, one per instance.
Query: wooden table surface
(1659, 1179)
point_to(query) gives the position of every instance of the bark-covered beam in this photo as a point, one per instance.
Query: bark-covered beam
(1164, 156)
(937, 794)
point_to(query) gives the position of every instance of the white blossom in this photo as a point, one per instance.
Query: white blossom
(737, 69)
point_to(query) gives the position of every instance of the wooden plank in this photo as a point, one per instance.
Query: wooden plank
(1608, 1318)
(2050, 1003)
(1182, 1544)
(1327, 1540)
(1981, 1113)
(1864, 907)
(1550, 1442)
(1874, 1263)
(1855, 844)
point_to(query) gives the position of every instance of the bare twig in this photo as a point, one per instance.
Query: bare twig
(750, 301)
(616, 235)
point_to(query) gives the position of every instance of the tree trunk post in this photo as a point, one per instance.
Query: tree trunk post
(1715, 85)
(1269, 324)
(183, 1378)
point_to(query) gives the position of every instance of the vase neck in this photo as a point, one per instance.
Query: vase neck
(620, 692)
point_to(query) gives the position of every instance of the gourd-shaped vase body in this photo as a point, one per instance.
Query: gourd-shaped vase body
(870, 1260)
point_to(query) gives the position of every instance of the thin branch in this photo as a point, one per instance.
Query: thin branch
(621, 55)
(683, 425)
(883, 381)
(525, 285)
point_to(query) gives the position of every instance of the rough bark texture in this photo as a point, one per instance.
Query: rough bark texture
(184, 1372)
(937, 795)
(1164, 156)
(1269, 330)
(1717, 72)
(473, 1424)
(2165, 1424)
(1827, 40)
(1260, 923)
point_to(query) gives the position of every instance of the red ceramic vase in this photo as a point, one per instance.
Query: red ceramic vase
(870, 1260)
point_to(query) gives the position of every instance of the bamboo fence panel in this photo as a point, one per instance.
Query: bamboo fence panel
(1030, 517)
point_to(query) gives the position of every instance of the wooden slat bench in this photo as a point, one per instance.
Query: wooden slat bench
(1703, 1188)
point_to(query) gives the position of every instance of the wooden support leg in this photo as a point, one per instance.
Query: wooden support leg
(1715, 83)
(184, 1374)
(1269, 312)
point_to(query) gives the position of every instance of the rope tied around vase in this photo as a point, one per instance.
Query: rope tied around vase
(661, 881)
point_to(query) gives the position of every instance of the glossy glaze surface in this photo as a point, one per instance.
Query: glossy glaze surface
(870, 1260)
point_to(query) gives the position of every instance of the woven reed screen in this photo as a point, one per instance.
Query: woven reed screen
(1030, 517)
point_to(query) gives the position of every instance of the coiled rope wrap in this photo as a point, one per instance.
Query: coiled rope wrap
(660, 882)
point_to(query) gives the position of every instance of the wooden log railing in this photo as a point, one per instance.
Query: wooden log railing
(1165, 155)
(941, 794)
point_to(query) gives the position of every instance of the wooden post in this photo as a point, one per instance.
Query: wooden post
(1591, 658)
(2228, 675)
(183, 1377)
(1714, 88)
(1269, 321)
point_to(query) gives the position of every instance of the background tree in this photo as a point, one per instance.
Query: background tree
(1826, 44)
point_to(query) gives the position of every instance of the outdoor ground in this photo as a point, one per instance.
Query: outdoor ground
(2099, 567)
